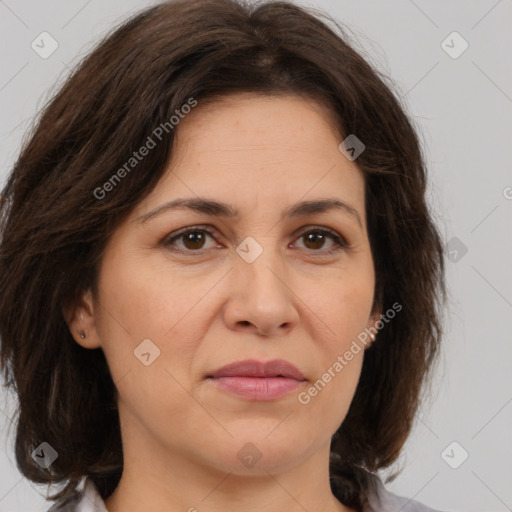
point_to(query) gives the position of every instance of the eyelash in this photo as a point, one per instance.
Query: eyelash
(340, 242)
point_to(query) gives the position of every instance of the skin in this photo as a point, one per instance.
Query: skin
(181, 434)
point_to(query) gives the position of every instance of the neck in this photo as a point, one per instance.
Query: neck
(153, 480)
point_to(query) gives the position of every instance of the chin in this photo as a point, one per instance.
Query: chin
(260, 454)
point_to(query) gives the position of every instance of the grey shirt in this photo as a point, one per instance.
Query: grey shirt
(89, 500)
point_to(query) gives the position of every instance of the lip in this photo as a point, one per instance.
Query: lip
(254, 368)
(257, 380)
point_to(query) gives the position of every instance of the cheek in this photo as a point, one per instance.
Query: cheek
(150, 376)
(345, 307)
(147, 300)
(137, 303)
(326, 401)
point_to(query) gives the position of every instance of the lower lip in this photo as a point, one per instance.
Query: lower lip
(257, 388)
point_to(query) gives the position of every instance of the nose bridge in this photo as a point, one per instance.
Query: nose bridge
(265, 299)
(260, 265)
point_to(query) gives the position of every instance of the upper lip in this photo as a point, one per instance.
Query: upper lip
(254, 368)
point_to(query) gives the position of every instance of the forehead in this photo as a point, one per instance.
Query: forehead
(254, 151)
(270, 123)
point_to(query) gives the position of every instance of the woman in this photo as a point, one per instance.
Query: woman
(220, 283)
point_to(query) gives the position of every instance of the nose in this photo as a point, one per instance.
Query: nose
(261, 298)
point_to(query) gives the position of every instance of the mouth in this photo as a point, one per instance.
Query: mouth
(256, 380)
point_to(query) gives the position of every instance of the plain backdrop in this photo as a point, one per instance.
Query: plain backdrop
(458, 89)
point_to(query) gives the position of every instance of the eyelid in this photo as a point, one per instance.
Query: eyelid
(167, 239)
(339, 240)
(324, 229)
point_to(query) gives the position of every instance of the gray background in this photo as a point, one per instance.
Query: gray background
(462, 107)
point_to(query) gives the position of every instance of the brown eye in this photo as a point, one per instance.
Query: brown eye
(314, 240)
(192, 240)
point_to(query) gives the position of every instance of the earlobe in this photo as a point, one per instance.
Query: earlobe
(80, 319)
(373, 326)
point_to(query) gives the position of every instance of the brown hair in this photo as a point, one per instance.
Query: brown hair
(54, 228)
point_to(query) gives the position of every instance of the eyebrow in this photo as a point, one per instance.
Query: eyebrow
(220, 209)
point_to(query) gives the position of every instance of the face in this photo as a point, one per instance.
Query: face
(186, 291)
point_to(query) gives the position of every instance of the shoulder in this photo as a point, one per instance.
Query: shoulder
(86, 500)
(382, 500)
(379, 500)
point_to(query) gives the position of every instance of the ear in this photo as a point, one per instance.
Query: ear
(374, 318)
(372, 327)
(79, 316)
